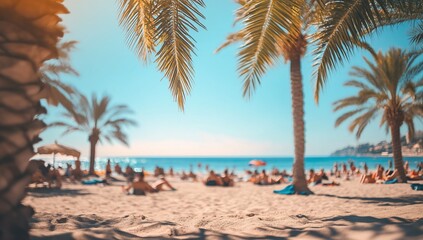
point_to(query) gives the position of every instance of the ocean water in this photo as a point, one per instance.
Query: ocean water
(238, 163)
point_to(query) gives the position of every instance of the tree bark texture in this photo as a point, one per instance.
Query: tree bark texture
(299, 178)
(29, 32)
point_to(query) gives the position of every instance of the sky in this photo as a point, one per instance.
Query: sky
(217, 120)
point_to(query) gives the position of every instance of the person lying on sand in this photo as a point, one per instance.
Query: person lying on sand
(140, 187)
(392, 176)
(323, 175)
(255, 177)
(379, 175)
(184, 176)
(415, 175)
(314, 178)
(213, 180)
(227, 180)
(192, 175)
(264, 179)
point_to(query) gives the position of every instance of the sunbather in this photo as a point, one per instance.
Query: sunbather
(213, 180)
(314, 178)
(264, 179)
(227, 180)
(140, 187)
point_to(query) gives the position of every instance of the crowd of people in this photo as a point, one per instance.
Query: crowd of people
(136, 184)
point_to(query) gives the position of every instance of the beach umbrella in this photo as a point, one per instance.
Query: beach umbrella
(257, 163)
(58, 148)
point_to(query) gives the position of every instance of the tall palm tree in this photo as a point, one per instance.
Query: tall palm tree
(263, 44)
(392, 87)
(99, 119)
(29, 32)
(345, 24)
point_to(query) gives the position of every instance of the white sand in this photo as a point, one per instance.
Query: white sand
(246, 211)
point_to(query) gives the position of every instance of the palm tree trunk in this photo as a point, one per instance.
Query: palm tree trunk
(26, 42)
(93, 143)
(299, 179)
(397, 151)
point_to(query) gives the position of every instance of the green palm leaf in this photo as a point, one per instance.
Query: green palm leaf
(137, 18)
(174, 21)
(344, 27)
(264, 22)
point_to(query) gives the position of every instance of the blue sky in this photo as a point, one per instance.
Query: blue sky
(217, 120)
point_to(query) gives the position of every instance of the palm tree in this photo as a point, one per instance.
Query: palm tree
(99, 119)
(263, 44)
(345, 24)
(392, 87)
(29, 32)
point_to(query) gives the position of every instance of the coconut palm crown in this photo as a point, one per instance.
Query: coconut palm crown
(101, 120)
(391, 86)
(346, 23)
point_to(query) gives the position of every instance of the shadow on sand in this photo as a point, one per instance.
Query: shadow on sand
(414, 199)
(50, 192)
(340, 227)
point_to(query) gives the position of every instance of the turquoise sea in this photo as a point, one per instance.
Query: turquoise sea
(238, 163)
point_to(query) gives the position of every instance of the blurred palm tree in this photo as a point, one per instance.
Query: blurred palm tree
(101, 120)
(56, 91)
(391, 87)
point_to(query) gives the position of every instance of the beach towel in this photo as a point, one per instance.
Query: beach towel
(93, 181)
(288, 190)
(211, 183)
(391, 181)
(417, 186)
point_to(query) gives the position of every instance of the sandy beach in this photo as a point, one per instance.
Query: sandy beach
(246, 211)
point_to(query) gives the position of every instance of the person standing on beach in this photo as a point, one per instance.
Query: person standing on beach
(366, 168)
(108, 168)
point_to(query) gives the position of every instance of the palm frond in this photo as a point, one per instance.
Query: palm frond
(361, 122)
(344, 27)
(231, 39)
(263, 22)
(117, 123)
(356, 83)
(410, 126)
(417, 34)
(347, 115)
(174, 21)
(138, 17)
(99, 107)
